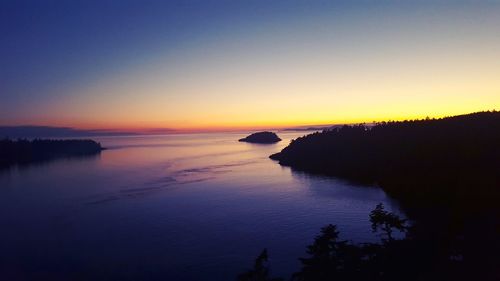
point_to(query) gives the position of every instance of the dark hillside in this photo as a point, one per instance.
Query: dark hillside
(445, 173)
(31, 151)
(456, 153)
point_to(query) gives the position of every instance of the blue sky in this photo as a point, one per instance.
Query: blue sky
(61, 61)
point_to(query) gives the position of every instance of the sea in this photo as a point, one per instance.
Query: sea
(172, 207)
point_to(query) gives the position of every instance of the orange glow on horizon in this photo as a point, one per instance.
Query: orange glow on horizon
(163, 128)
(317, 70)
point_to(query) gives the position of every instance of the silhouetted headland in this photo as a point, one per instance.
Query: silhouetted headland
(23, 151)
(408, 157)
(445, 174)
(449, 165)
(261, 137)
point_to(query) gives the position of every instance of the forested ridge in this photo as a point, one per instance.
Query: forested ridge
(445, 175)
(23, 151)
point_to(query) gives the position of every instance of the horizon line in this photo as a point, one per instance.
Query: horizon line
(221, 128)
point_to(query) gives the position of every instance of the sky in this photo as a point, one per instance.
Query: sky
(198, 65)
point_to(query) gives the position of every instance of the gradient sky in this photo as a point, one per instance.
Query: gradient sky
(233, 64)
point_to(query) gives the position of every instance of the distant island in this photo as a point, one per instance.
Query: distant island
(261, 137)
(23, 151)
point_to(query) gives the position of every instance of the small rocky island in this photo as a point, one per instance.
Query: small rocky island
(24, 151)
(261, 137)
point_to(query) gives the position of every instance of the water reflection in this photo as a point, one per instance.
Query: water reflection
(37, 163)
(179, 207)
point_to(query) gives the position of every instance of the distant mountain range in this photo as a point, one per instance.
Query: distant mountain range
(34, 131)
(311, 128)
(67, 132)
(319, 127)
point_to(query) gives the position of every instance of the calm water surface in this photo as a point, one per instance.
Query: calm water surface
(177, 207)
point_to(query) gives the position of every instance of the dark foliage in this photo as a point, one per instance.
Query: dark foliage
(392, 259)
(29, 151)
(449, 150)
(261, 137)
(440, 163)
(444, 172)
(408, 258)
(329, 258)
(260, 271)
(386, 222)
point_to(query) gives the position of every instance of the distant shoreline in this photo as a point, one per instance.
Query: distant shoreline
(22, 151)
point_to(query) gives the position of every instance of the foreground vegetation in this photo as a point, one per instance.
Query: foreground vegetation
(446, 175)
(330, 258)
(413, 257)
(31, 151)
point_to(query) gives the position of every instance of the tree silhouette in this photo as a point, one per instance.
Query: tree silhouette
(386, 222)
(445, 175)
(260, 271)
(415, 257)
(330, 258)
